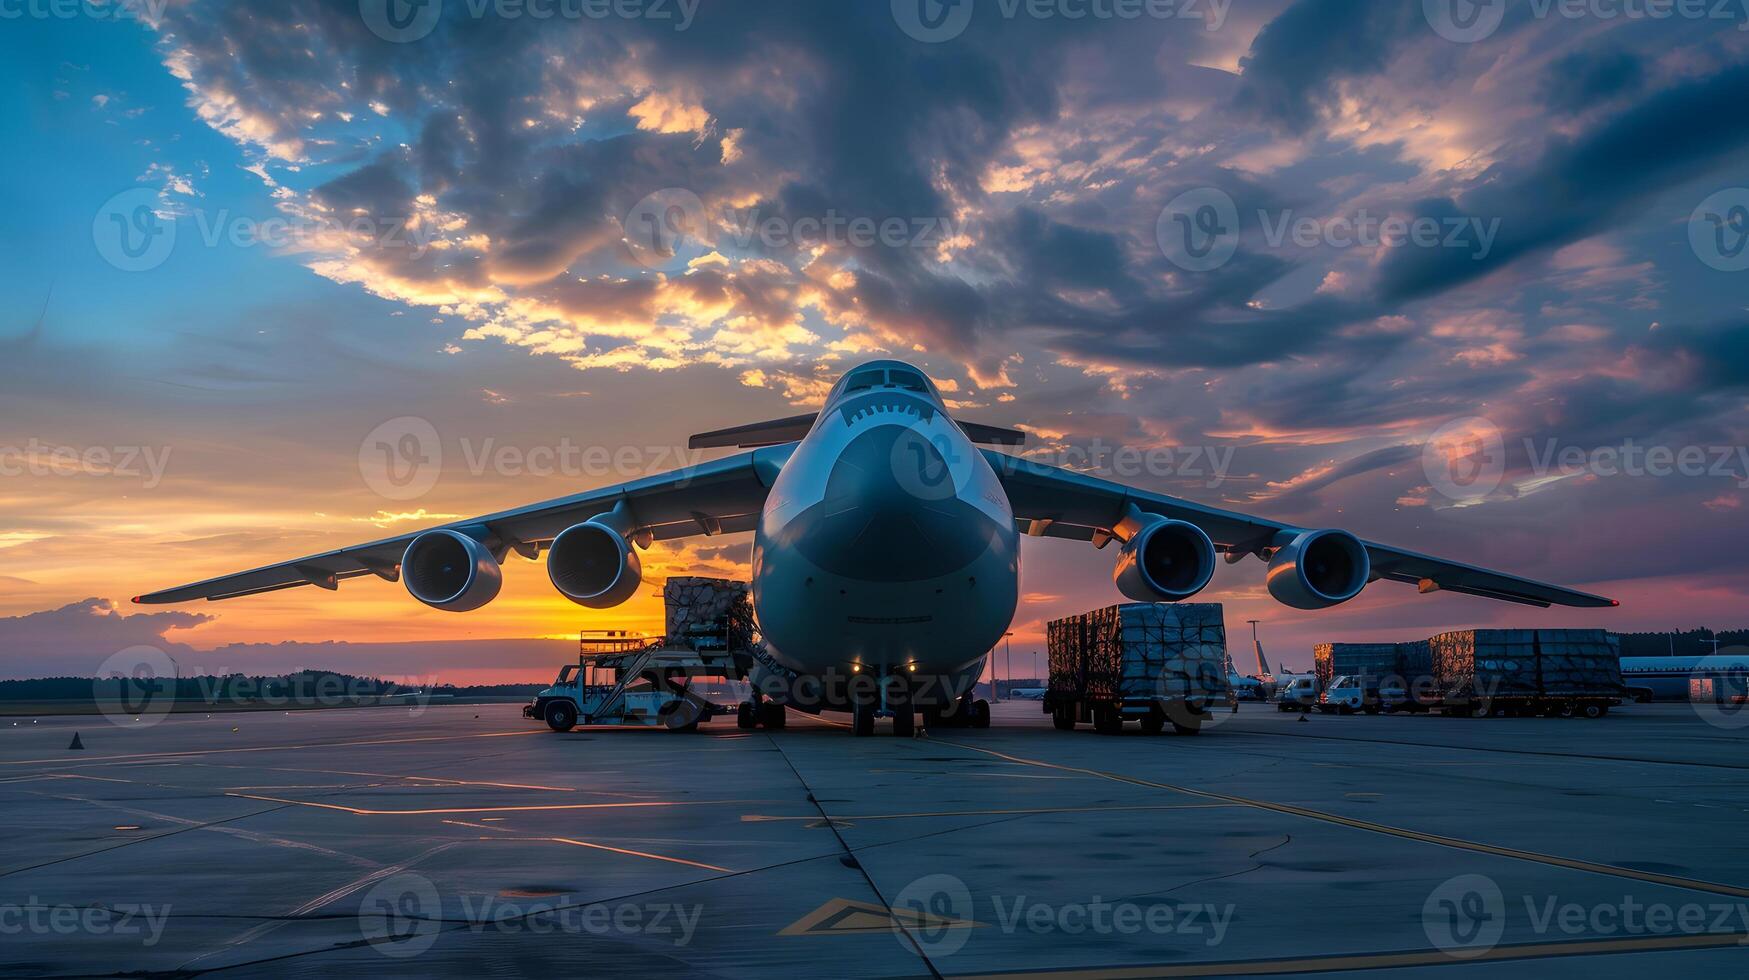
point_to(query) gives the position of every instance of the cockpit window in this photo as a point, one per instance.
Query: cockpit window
(908, 380)
(864, 380)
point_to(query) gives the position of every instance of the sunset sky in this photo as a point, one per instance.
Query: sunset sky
(179, 399)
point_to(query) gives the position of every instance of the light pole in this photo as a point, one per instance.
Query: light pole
(1008, 653)
(996, 675)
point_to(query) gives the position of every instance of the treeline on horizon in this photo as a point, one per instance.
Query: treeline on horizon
(1680, 643)
(298, 686)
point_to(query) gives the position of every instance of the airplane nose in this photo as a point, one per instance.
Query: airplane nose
(891, 512)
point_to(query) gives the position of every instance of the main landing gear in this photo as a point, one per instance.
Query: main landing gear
(758, 712)
(965, 712)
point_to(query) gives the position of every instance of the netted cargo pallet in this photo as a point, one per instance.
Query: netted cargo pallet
(1374, 660)
(1576, 663)
(1554, 663)
(707, 613)
(1138, 651)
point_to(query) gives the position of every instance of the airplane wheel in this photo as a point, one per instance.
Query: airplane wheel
(1107, 721)
(980, 713)
(561, 716)
(771, 715)
(904, 722)
(862, 717)
(745, 718)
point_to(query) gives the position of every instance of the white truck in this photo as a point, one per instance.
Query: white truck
(625, 679)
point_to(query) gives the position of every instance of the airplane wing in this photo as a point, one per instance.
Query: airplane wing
(1050, 501)
(720, 496)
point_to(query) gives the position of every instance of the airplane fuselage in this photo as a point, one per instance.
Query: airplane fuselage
(887, 545)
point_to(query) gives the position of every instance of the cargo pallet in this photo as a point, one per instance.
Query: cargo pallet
(1154, 663)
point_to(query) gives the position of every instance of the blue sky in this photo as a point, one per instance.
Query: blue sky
(461, 216)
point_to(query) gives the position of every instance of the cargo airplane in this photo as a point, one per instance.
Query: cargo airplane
(886, 548)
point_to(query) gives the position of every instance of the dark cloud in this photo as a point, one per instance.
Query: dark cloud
(1583, 80)
(1578, 187)
(1299, 56)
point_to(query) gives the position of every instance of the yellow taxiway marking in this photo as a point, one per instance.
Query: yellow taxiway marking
(1573, 864)
(846, 917)
(482, 809)
(762, 818)
(195, 753)
(580, 843)
(642, 854)
(1378, 961)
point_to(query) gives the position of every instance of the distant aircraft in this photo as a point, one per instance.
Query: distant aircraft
(886, 551)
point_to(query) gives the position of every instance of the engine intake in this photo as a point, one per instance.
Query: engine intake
(1318, 569)
(1165, 561)
(593, 565)
(449, 570)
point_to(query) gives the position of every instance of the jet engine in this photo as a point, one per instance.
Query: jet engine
(448, 570)
(1165, 561)
(593, 565)
(1316, 569)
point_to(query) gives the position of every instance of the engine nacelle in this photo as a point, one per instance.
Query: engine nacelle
(593, 565)
(1317, 569)
(451, 571)
(1165, 561)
